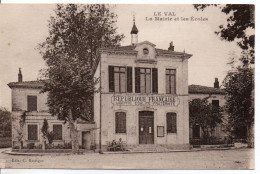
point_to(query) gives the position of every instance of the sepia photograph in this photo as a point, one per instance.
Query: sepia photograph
(127, 86)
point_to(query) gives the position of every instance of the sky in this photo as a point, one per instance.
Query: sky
(22, 27)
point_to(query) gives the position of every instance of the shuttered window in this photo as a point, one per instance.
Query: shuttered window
(57, 130)
(120, 79)
(171, 122)
(215, 105)
(32, 132)
(120, 122)
(31, 103)
(146, 80)
(170, 81)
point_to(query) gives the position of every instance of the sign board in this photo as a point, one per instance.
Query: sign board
(144, 100)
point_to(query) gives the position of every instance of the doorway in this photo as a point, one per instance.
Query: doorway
(146, 127)
(86, 140)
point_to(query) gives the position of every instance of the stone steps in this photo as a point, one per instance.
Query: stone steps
(148, 148)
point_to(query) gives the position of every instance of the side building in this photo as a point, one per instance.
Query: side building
(29, 109)
(216, 96)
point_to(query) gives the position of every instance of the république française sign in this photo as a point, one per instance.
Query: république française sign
(145, 100)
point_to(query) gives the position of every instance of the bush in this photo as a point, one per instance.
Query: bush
(5, 142)
(30, 145)
(67, 146)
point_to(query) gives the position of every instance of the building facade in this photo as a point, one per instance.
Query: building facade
(215, 96)
(144, 98)
(29, 108)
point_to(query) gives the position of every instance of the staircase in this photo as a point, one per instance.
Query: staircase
(148, 148)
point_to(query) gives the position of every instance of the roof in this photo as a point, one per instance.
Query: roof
(134, 29)
(37, 84)
(193, 89)
(198, 89)
(131, 48)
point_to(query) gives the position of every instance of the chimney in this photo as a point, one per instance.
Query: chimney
(171, 47)
(20, 76)
(216, 83)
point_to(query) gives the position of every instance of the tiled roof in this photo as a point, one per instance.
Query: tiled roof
(27, 84)
(198, 89)
(132, 49)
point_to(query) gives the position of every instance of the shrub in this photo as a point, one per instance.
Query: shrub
(30, 145)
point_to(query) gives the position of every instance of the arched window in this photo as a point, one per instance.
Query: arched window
(171, 118)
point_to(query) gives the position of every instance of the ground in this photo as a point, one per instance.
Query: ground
(211, 159)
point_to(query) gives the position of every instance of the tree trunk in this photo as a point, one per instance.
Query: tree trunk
(73, 134)
(250, 136)
(44, 145)
(20, 146)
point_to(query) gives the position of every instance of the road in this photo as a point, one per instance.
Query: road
(213, 159)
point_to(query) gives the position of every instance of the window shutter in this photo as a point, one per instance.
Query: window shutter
(57, 130)
(171, 122)
(32, 132)
(31, 103)
(111, 78)
(120, 122)
(129, 80)
(155, 80)
(174, 120)
(137, 80)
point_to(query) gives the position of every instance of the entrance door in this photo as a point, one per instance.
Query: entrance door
(146, 127)
(86, 140)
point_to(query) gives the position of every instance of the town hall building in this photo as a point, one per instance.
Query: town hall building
(144, 98)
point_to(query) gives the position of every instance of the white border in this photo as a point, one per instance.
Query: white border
(257, 85)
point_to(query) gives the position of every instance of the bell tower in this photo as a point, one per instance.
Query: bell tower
(134, 33)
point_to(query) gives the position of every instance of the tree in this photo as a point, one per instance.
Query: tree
(240, 20)
(239, 86)
(205, 115)
(20, 129)
(46, 134)
(44, 130)
(5, 123)
(75, 34)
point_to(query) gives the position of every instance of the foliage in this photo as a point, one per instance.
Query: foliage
(239, 86)
(50, 136)
(75, 34)
(20, 126)
(240, 20)
(45, 128)
(46, 133)
(5, 123)
(205, 115)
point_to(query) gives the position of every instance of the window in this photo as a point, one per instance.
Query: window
(31, 103)
(196, 131)
(57, 130)
(120, 79)
(146, 80)
(171, 122)
(215, 105)
(32, 132)
(120, 122)
(170, 81)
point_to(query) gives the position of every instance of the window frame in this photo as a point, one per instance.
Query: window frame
(119, 130)
(61, 132)
(174, 128)
(170, 84)
(145, 78)
(37, 129)
(128, 79)
(28, 104)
